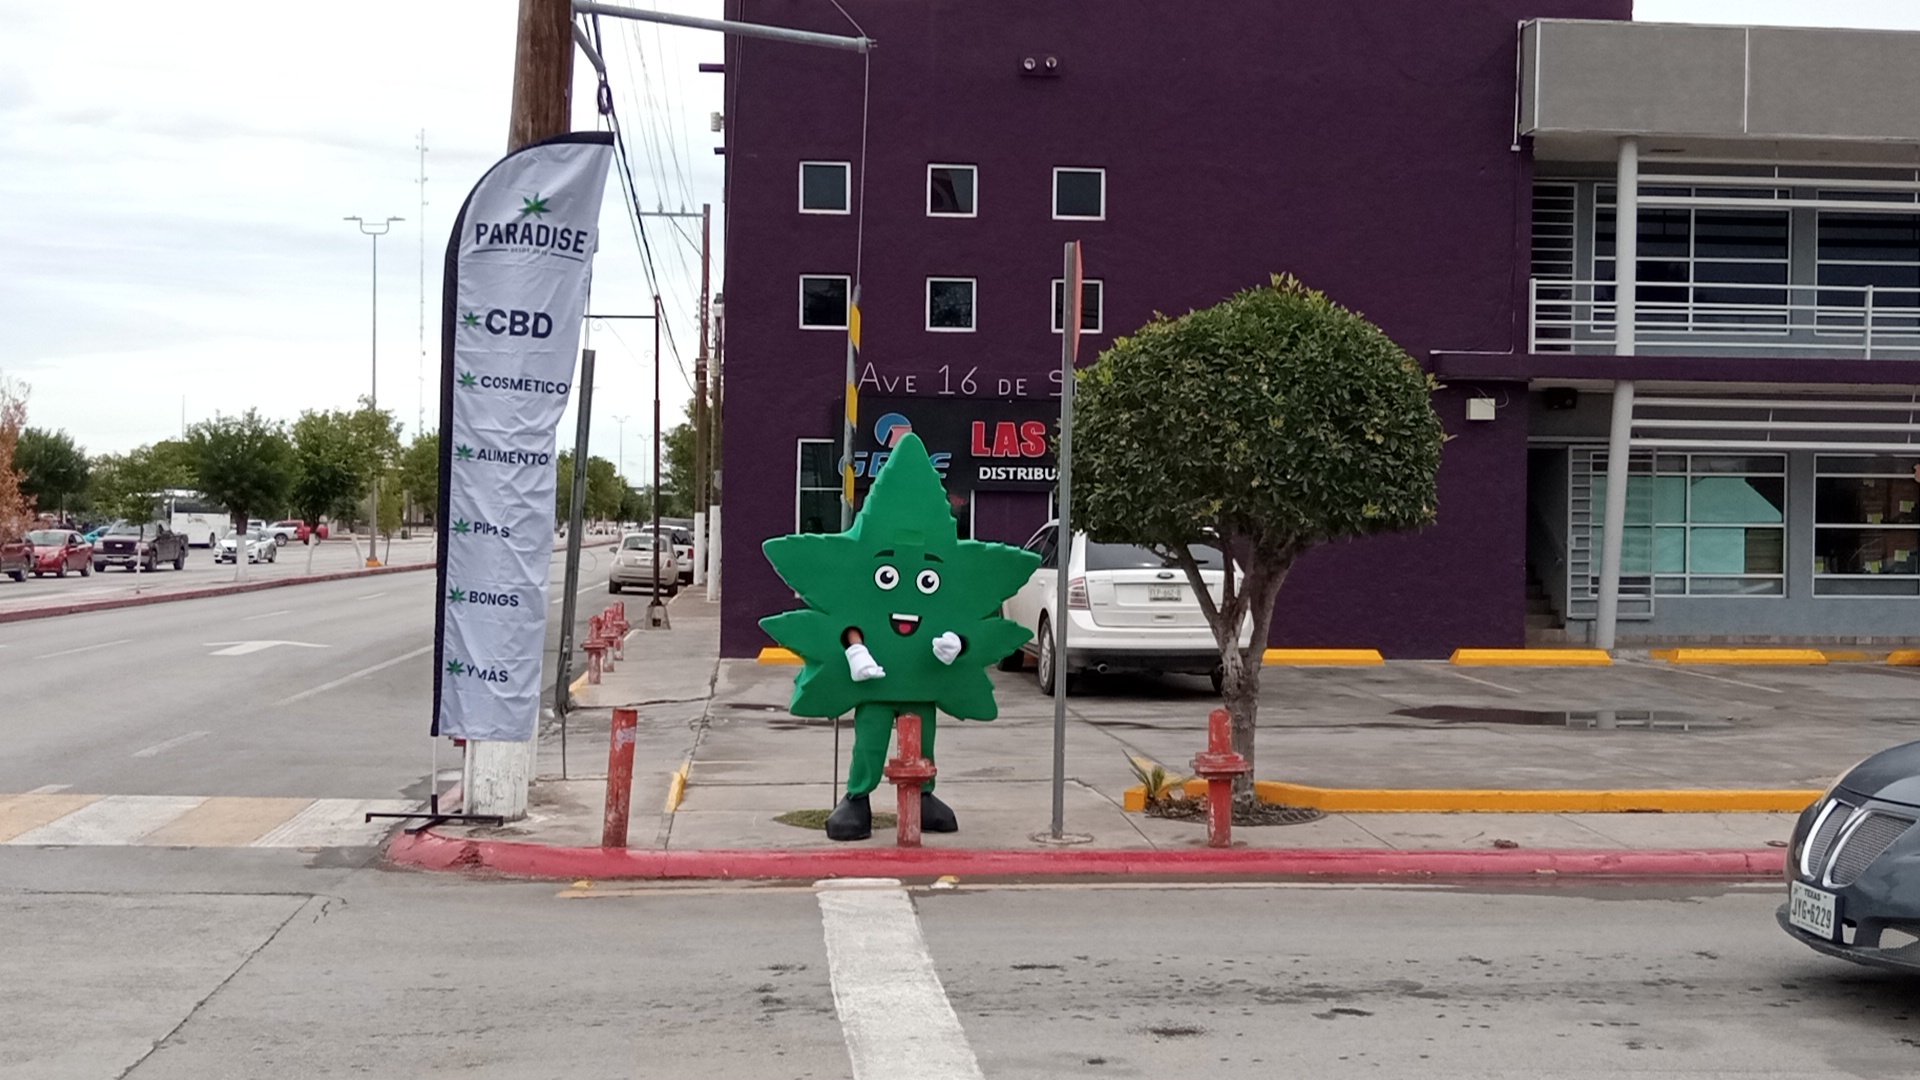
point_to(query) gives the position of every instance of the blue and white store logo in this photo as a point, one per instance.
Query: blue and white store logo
(888, 431)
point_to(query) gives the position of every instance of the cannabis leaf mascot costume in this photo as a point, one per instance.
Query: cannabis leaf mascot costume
(902, 616)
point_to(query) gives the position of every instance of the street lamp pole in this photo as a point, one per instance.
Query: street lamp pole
(621, 422)
(375, 230)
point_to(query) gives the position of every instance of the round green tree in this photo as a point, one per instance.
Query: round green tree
(1269, 423)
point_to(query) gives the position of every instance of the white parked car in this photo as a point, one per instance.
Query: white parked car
(1130, 610)
(633, 566)
(682, 541)
(260, 547)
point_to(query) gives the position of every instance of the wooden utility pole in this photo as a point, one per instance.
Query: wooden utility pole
(542, 73)
(496, 773)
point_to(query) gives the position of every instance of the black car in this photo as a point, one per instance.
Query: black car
(147, 547)
(1853, 869)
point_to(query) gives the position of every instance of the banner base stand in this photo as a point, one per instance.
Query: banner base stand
(436, 816)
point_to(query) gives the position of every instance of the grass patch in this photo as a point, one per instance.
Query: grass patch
(817, 819)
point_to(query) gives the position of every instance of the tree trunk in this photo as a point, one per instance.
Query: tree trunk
(1240, 684)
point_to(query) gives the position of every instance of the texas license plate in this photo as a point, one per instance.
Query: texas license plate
(1812, 910)
(1164, 592)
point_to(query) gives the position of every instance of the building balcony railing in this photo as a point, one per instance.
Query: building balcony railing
(1719, 319)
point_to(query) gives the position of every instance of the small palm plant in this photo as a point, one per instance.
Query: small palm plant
(1162, 788)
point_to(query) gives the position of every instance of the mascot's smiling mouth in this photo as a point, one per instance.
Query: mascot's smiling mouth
(905, 625)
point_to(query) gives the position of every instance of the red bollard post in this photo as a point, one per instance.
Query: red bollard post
(595, 650)
(615, 628)
(1218, 765)
(908, 772)
(613, 832)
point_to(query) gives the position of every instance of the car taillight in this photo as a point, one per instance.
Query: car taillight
(1077, 594)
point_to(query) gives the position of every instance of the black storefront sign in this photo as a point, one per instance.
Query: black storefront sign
(978, 444)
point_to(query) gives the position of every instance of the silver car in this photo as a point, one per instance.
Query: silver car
(643, 563)
(260, 547)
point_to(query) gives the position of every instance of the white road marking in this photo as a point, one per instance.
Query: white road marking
(243, 648)
(177, 740)
(84, 648)
(1482, 682)
(563, 596)
(345, 679)
(1721, 678)
(49, 789)
(371, 596)
(893, 1011)
(116, 819)
(335, 823)
(268, 615)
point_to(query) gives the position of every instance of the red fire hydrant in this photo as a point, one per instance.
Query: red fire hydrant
(1218, 765)
(908, 772)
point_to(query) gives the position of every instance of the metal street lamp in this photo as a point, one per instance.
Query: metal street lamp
(376, 230)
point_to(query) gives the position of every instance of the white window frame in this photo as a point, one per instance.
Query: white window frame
(1099, 311)
(1687, 575)
(1820, 472)
(974, 169)
(801, 297)
(926, 307)
(799, 463)
(1054, 195)
(846, 187)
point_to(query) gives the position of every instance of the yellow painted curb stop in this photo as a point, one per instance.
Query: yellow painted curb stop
(1745, 656)
(1503, 801)
(1306, 657)
(773, 654)
(1904, 657)
(1532, 657)
(677, 787)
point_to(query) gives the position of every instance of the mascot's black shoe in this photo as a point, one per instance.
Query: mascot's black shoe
(853, 819)
(936, 816)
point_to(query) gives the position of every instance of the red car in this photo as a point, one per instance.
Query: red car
(293, 529)
(56, 551)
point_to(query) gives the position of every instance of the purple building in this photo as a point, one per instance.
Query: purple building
(1452, 171)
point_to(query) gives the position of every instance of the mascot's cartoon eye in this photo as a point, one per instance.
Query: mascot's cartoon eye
(886, 577)
(928, 581)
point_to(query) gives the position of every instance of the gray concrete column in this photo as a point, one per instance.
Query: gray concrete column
(1626, 246)
(1614, 519)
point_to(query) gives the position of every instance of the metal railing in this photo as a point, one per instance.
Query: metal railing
(1863, 321)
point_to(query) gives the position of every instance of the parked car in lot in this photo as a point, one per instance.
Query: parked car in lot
(1853, 865)
(1131, 610)
(56, 551)
(682, 541)
(634, 562)
(293, 530)
(94, 534)
(16, 558)
(261, 547)
(147, 547)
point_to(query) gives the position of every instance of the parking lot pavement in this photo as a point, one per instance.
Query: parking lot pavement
(290, 561)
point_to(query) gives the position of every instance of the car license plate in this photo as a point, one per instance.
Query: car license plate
(1164, 592)
(1813, 910)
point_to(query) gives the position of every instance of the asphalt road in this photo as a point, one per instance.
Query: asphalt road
(319, 690)
(132, 966)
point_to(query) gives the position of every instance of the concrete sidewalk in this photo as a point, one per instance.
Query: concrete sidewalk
(1641, 724)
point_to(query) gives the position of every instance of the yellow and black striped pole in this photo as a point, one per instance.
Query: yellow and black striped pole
(853, 410)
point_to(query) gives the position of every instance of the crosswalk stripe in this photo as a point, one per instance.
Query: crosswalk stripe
(21, 813)
(226, 822)
(334, 823)
(893, 1011)
(115, 819)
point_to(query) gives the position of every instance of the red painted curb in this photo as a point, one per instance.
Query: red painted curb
(230, 589)
(428, 851)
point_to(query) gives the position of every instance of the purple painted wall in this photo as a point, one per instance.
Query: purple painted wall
(1363, 147)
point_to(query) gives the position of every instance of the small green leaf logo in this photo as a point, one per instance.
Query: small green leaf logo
(467, 381)
(462, 526)
(458, 596)
(470, 320)
(463, 452)
(535, 205)
(455, 667)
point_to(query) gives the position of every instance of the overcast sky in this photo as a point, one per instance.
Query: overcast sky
(176, 175)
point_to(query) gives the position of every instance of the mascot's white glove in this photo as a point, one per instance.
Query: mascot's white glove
(946, 647)
(862, 664)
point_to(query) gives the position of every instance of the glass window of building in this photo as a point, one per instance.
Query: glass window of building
(1091, 295)
(1080, 194)
(1862, 253)
(824, 187)
(823, 301)
(817, 505)
(1701, 266)
(1704, 524)
(951, 189)
(1866, 536)
(950, 304)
